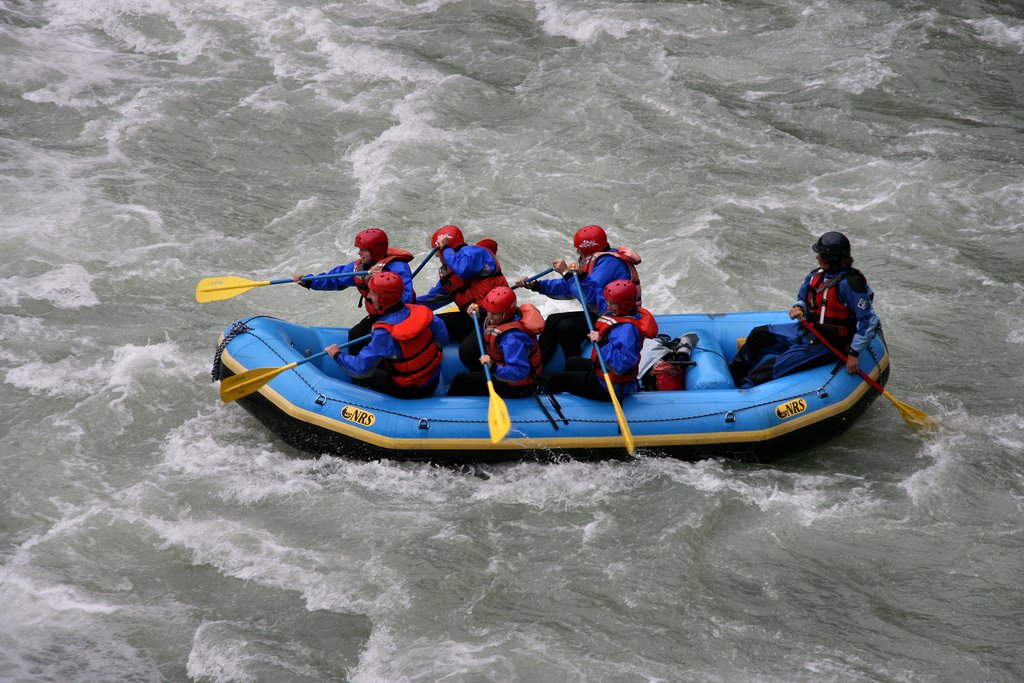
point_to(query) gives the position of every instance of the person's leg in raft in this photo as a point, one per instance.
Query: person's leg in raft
(475, 384)
(801, 356)
(459, 325)
(360, 329)
(765, 340)
(801, 353)
(578, 378)
(382, 382)
(565, 330)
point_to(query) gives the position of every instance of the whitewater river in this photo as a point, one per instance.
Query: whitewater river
(150, 533)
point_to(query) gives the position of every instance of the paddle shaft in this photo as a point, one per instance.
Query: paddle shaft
(544, 409)
(241, 385)
(535, 277)
(304, 278)
(365, 337)
(556, 405)
(839, 354)
(310, 278)
(424, 262)
(480, 343)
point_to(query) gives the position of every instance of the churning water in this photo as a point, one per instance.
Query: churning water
(151, 533)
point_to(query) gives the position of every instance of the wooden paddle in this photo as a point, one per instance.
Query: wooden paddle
(911, 415)
(229, 286)
(241, 385)
(497, 413)
(623, 425)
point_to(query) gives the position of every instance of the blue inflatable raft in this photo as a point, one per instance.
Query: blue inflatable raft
(316, 408)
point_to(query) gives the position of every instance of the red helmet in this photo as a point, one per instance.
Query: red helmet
(455, 238)
(375, 240)
(623, 293)
(499, 300)
(387, 288)
(488, 244)
(590, 239)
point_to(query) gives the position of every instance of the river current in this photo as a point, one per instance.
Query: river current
(150, 532)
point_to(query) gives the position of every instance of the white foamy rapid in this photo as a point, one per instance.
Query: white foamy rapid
(152, 533)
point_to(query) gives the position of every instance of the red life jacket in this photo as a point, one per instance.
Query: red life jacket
(648, 327)
(465, 293)
(624, 254)
(826, 311)
(420, 354)
(392, 255)
(532, 323)
(488, 244)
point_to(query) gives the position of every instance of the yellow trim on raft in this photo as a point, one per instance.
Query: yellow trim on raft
(565, 443)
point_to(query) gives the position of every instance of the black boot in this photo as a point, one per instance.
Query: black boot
(739, 370)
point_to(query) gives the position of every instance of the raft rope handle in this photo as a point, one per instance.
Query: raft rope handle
(237, 328)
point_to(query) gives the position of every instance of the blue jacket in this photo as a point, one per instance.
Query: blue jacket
(400, 268)
(516, 346)
(606, 269)
(621, 353)
(383, 345)
(468, 262)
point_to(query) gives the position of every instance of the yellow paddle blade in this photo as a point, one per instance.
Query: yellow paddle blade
(224, 287)
(497, 415)
(243, 384)
(912, 415)
(623, 425)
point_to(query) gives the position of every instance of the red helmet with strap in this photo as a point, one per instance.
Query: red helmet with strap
(590, 239)
(375, 241)
(623, 293)
(387, 289)
(455, 237)
(499, 300)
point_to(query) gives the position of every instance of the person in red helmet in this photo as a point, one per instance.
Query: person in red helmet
(467, 273)
(376, 256)
(403, 356)
(511, 350)
(599, 264)
(620, 333)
